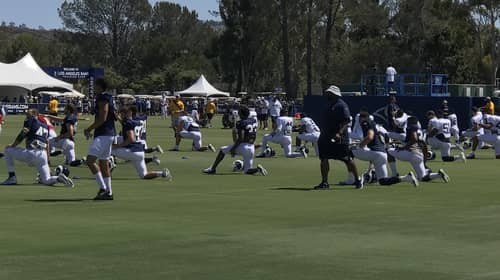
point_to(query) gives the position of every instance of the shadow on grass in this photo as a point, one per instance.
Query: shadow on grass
(304, 189)
(51, 200)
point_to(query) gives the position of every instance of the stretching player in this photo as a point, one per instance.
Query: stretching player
(413, 152)
(104, 135)
(282, 134)
(372, 148)
(439, 133)
(190, 129)
(143, 119)
(492, 123)
(244, 135)
(308, 132)
(475, 132)
(35, 153)
(132, 148)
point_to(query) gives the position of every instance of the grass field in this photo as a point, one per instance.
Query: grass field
(231, 226)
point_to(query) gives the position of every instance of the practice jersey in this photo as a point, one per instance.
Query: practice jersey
(284, 126)
(71, 120)
(310, 125)
(38, 133)
(46, 121)
(249, 129)
(400, 123)
(135, 127)
(444, 129)
(376, 144)
(142, 120)
(253, 114)
(188, 124)
(453, 120)
(494, 121)
(108, 127)
(476, 120)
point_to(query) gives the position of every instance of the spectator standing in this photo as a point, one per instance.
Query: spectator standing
(391, 76)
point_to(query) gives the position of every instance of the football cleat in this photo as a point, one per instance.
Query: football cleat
(10, 181)
(303, 152)
(322, 186)
(359, 184)
(444, 176)
(111, 164)
(209, 171)
(61, 178)
(262, 170)
(159, 149)
(211, 147)
(103, 195)
(413, 179)
(156, 160)
(166, 174)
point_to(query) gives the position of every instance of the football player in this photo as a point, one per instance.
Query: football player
(282, 134)
(455, 131)
(104, 136)
(475, 132)
(492, 122)
(143, 119)
(36, 135)
(398, 126)
(188, 128)
(308, 132)
(439, 133)
(413, 152)
(244, 134)
(65, 140)
(131, 148)
(372, 148)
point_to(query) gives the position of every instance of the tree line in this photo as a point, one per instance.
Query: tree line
(299, 46)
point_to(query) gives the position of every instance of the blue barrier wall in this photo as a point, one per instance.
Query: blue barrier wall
(413, 105)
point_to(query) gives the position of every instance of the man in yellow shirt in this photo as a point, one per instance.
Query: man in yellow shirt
(175, 109)
(211, 110)
(489, 108)
(53, 104)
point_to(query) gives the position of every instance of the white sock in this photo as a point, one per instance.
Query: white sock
(435, 176)
(107, 181)
(100, 181)
(394, 169)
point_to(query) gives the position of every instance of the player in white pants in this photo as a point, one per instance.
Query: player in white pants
(412, 152)
(282, 134)
(308, 132)
(65, 139)
(132, 148)
(475, 132)
(35, 153)
(492, 123)
(455, 131)
(189, 129)
(372, 149)
(399, 126)
(244, 134)
(439, 133)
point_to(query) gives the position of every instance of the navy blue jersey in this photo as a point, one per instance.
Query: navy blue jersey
(142, 119)
(38, 134)
(135, 127)
(108, 127)
(376, 144)
(249, 128)
(335, 118)
(71, 120)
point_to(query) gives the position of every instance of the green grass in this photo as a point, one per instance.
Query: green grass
(248, 227)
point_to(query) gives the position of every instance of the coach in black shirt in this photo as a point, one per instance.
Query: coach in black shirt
(334, 141)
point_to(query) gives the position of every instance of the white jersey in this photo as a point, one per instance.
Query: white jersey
(444, 127)
(188, 123)
(253, 114)
(478, 119)
(401, 122)
(433, 123)
(284, 126)
(194, 114)
(494, 121)
(453, 119)
(275, 108)
(310, 125)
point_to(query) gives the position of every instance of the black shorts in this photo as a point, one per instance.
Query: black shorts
(210, 116)
(262, 117)
(330, 150)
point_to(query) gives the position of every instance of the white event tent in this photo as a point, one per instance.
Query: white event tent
(202, 88)
(25, 75)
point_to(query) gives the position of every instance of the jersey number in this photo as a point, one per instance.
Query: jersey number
(42, 131)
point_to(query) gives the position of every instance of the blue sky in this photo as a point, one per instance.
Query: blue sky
(36, 13)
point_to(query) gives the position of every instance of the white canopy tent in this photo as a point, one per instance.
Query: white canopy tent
(202, 88)
(26, 74)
